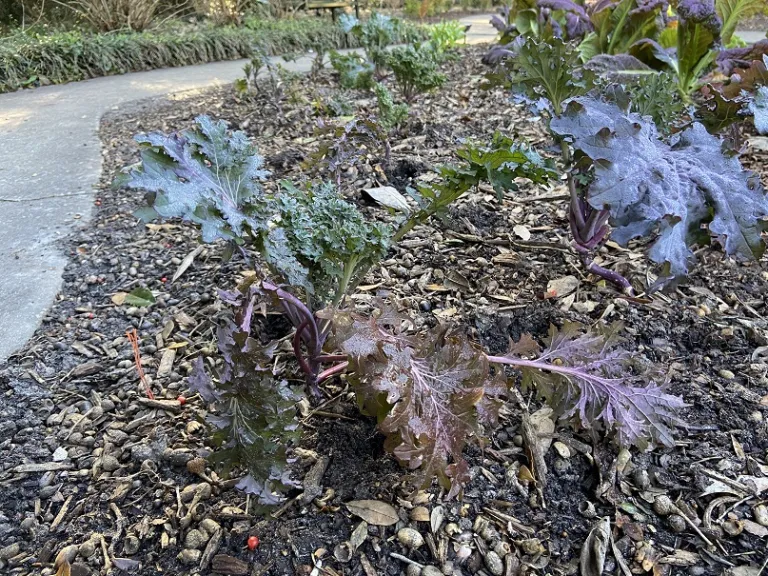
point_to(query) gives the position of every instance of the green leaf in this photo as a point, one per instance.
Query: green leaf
(140, 297)
(731, 11)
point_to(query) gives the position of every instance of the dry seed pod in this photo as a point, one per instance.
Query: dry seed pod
(677, 523)
(410, 538)
(531, 546)
(194, 539)
(587, 509)
(480, 524)
(663, 505)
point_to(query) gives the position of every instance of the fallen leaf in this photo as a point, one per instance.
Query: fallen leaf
(436, 518)
(374, 512)
(420, 514)
(186, 263)
(562, 287)
(118, 298)
(140, 297)
(389, 197)
(359, 535)
(592, 560)
(755, 528)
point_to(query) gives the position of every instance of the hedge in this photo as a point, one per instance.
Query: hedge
(27, 60)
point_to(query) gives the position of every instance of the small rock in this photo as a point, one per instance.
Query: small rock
(209, 526)
(410, 538)
(641, 478)
(109, 463)
(494, 564)
(760, 512)
(431, 571)
(79, 569)
(87, 548)
(9, 551)
(178, 457)
(189, 556)
(412, 570)
(726, 374)
(28, 525)
(130, 545)
(562, 449)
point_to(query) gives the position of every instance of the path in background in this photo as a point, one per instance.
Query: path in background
(51, 162)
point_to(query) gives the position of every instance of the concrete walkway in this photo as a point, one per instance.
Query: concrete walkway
(51, 161)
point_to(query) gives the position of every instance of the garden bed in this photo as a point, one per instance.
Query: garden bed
(114, 465)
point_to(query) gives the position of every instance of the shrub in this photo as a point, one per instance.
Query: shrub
(27, 59)
(446, 35)
(109, 15)
(415, 68)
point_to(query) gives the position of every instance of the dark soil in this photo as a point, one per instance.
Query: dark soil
(121, 472)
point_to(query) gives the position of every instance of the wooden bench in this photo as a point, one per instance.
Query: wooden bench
(318, 5)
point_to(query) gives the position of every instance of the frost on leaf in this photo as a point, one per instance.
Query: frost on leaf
(671, 189)
(252, 412)
(588, 380)
(431, 394)
(206, 175)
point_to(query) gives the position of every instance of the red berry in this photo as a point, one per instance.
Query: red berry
(181, 400)
(253, 542)
(163, 279)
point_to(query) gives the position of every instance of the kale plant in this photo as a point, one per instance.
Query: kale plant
(346, 144)
(205, 175)
(354, 71)
(640, 182)
(444, 36)
(671, 189)
(415, 68)
(374, 35)
(391, 116)
(252, 412)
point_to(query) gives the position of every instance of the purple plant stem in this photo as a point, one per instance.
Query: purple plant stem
(613, 277)
(332, 358)
(333, 370)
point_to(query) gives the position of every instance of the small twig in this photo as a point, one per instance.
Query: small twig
(133, 337)
(406, 560)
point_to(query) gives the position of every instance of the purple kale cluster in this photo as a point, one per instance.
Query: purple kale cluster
(700, 12)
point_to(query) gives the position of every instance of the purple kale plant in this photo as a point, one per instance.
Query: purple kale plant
(251, 410)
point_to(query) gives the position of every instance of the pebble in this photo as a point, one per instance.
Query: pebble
(28, 525)
(87, 548)
(189, 556)
(760, 512)
(9, 551)
(431, 571)
(130, 545)
(494, 564)
(178, 457)
(726, 374)
(109, 463)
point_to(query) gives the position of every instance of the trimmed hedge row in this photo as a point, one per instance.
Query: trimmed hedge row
(70, 56)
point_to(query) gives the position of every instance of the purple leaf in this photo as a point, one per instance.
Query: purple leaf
(431, 394)
(674, 189)
(591, 382)
(729, 60)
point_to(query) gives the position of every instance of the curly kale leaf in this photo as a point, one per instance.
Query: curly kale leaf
(588, 380)
(252, 412)
(431, 394)
(206, 175)
(674, 189)
(759, 109)
(329, 236)
(549, 70)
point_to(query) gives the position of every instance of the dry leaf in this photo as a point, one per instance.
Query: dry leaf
(186, 263)
(436, 518)
(593, 551)
(420, 514)
(118, 298)
(389, 197)
(359, 535)
(561, 287)
(374, 512)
